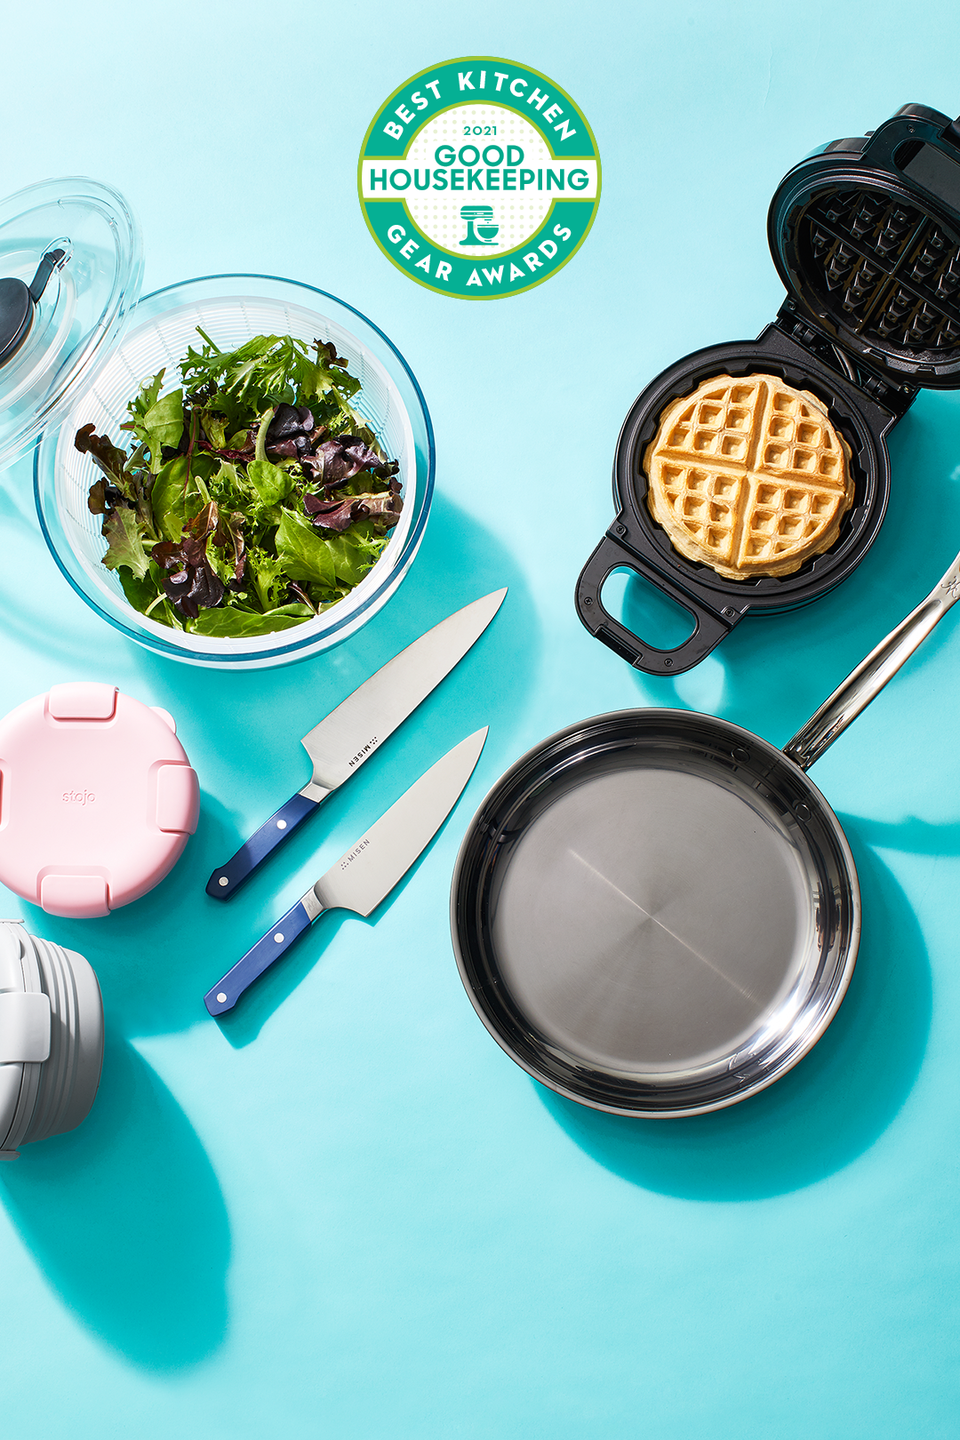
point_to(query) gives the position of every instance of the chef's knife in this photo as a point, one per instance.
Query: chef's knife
(367, 872)
(349, 735)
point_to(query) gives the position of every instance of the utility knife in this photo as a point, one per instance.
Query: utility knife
(367, 872)
(350, 734)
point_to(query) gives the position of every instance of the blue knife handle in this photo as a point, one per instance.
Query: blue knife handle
(277, 941)
(227, 880)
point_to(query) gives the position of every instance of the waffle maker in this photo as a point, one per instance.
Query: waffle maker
(865, 235)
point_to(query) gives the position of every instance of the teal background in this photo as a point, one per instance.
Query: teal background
(346, 1213)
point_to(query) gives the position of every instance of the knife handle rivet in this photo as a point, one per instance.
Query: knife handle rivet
(221, 998)
(281, 824)
(223, 880)
(279, 938)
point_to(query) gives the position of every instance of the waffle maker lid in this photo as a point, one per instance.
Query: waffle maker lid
(865, 235)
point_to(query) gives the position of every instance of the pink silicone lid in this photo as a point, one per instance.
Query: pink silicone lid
(97, 799)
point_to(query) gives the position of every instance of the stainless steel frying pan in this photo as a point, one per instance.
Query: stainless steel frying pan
(656, 912)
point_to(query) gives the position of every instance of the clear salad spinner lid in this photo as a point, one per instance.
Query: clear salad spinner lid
(71, 263)
(77, 341)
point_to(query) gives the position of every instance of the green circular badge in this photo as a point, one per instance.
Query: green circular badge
(479, 178)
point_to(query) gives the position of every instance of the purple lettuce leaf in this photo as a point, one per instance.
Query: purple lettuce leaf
(337, 514)
(191, 582)
(340, 459)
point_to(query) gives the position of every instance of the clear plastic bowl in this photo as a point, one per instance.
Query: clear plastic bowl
(231, 309)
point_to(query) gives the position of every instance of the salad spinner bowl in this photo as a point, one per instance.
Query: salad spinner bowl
(231, 309)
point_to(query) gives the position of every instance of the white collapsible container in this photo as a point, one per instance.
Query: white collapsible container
(51, 1038)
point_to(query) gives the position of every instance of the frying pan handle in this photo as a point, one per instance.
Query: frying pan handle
(709, 631)
(869, 678)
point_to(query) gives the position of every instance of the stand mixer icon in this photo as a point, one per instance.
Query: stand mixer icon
(479, 229)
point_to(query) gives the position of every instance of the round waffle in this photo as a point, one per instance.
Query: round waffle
(748, 476)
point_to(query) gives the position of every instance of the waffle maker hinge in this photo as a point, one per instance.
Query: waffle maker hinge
(895, 399)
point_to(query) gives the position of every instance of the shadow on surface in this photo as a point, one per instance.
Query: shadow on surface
(31, 584)
(256, 720)
(773, 671)
(261, 714)
(156, 958)
(125, 1218)
(245, 1021)
(913, 836)
(822, 1114)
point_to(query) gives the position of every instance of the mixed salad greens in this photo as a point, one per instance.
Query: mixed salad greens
(255, 495)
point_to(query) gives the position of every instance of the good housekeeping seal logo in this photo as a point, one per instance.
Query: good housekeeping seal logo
(479, 178)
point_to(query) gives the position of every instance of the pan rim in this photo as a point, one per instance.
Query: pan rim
(726, 730)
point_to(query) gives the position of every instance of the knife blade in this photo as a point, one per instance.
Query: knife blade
(367, 872)
(350, 734)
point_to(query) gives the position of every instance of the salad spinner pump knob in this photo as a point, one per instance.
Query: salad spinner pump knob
(17, 302)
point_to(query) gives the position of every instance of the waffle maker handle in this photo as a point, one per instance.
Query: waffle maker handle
(710, 627)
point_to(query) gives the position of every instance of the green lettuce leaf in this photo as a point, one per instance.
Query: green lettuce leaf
(264, 573)
(233, 621)
(270, 482)
(304, 554)
(163, 425)
(146, 596)
(167, 498)
(156, 421)
(354, 551)
(124, 545)
(174, 500)
(215, 428)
